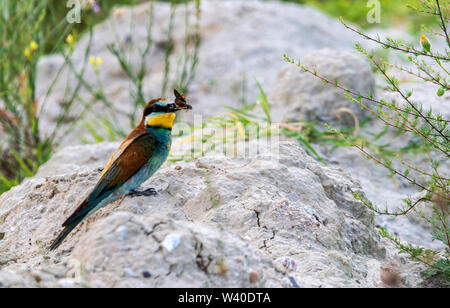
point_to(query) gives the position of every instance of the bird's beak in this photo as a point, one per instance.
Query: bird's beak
(184, 107)
(176, 107)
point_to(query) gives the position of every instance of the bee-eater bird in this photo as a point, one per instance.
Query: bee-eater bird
(139, 156)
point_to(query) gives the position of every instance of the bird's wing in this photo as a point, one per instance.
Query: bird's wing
(135, 134)
(117, 172)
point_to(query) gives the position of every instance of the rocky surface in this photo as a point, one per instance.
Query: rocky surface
(264, 221)
(299, 95)
(385, 193)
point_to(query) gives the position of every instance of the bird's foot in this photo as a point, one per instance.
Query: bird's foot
(139, 193)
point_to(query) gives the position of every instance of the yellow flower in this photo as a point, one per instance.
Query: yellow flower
(33, 46)
(69, 39)
(27, 53)
(95, 62)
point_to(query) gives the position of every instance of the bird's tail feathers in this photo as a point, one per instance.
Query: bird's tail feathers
(64, 233)
(81, 211)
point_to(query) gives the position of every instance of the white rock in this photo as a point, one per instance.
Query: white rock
(171, 242)
(285, 264)
(66, 283)
(238, 219)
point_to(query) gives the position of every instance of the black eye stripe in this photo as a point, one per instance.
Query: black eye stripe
(159, 108)
(147, 111)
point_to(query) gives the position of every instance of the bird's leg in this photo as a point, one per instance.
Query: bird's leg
(147, 192)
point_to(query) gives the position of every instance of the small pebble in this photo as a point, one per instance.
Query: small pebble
(129, 273)
(178, 168)
(390, 276)
(2, 235)
(285, 264)
(171, 242)
(221, 268)
(36, 277)
(254, 277)
(201, 165)
(146, 274)
(309, 210)
(122, 231)
(66, 283)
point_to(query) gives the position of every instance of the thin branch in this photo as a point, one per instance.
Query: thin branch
(406, 99)
(423, 69)
(371, 99)
(398, 67)
(407, 49)
(384, 164)
(444, 27)
(434, 143)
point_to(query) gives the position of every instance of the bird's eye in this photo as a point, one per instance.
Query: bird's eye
(159, 108)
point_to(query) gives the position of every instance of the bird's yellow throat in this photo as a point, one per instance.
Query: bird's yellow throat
(164, 120)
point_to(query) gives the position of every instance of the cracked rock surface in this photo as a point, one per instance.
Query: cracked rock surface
(279, 219)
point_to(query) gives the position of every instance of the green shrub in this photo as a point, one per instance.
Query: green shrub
(427, 128)
(33, 28)
(23, 37)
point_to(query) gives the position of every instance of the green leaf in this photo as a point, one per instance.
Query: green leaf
(93, 132)
(264, 102)
(441, 91)
(22, 164)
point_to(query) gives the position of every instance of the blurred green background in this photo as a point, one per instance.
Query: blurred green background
(394, 13)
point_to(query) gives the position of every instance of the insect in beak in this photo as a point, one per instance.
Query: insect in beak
(180, 101)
